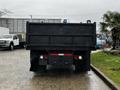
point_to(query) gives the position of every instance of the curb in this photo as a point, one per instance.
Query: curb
(110, 83)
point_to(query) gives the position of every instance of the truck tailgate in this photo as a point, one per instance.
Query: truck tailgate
(61, 36)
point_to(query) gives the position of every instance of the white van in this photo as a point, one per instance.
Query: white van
(9, 40)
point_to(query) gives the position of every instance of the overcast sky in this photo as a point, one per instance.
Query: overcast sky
(74, 10)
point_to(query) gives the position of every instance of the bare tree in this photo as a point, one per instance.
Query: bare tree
(4, 12)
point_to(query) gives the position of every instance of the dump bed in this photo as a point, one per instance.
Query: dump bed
(61, 36)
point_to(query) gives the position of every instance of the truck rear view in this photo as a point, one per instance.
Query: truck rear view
(60, 44)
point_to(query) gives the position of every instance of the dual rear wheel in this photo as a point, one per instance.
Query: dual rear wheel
(84, 64)
(11, 47)
(34, 61)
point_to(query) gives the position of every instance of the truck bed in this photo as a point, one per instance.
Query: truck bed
(61, 36)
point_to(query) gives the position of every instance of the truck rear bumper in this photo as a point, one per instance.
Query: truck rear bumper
(81, 59)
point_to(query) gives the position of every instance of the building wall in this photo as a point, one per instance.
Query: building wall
(18, 25)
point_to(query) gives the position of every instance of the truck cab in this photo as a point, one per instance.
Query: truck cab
(9, 41)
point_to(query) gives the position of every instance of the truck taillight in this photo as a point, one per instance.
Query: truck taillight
(41, 56)
(78, 57)
(45, 57)
(68, 54)
(75, 57)
(53, 54)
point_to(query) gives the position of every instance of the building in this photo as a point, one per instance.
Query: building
(18, 25)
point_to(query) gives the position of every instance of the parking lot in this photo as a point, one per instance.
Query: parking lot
(15, 75)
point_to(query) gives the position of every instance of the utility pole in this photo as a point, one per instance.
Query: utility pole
(31, 18)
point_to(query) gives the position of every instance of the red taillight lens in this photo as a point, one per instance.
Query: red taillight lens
(68, 54)
(77, 57)
(54, 54)
(45, 57)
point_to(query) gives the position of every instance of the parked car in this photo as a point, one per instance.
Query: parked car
(100, 43)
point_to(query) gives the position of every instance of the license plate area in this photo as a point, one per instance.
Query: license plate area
(60, 60)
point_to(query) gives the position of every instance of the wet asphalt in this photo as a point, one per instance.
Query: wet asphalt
(15, 75)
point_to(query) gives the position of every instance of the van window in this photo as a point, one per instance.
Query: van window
(15, 37)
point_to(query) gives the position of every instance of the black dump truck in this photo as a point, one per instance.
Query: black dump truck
(60, 44)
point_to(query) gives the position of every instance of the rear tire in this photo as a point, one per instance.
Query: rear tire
(42, 68)
(11, 47)
(34, 58)
(84, 64)
(22, 45)
(34, 61)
